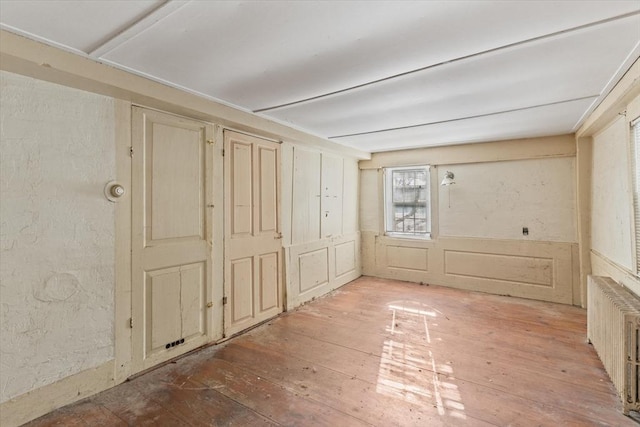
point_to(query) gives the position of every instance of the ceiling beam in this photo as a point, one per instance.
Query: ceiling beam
(137, 27)
(457, 119)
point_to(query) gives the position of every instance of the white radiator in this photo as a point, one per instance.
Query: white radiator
(613, 322)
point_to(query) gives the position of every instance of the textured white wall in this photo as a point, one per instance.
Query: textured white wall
(496, 200)
(611, 214)
(57, 262)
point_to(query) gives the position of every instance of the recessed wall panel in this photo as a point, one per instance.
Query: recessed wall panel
(520, 269)
(314, 269)
(408, 258)
(345, 261)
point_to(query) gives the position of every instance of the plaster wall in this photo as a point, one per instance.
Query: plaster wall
(611, 214)
(612, 230)
(492, 200)
(57, 229)
(496, 200)
(477, 239)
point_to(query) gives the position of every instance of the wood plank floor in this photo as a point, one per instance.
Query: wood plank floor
(383, 353)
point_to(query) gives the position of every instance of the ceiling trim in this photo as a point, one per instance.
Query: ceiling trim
(44, 40)
(608, 87)
(614, 103)
(493, 151)
(451, 61)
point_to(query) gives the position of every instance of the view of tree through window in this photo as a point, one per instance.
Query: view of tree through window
(409, 192)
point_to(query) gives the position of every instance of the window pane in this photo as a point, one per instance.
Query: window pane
(409, 195)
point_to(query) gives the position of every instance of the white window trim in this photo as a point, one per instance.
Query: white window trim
(635, 163)
(386, 185)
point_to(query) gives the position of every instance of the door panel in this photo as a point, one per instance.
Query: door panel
(192, 300)
(241, 286)
(253, 246)
(305, 217)
(269, 282)
(242, 199)
(332, 185)
(163, 315)
(171, 250)
(268, 190)
(175, 194)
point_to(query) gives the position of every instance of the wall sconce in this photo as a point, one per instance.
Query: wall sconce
(448, 179)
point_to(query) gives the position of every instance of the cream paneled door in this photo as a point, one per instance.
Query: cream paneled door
(171, 236)
(253, 245)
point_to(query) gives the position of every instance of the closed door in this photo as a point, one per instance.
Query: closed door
(171, 236)
(253, 245)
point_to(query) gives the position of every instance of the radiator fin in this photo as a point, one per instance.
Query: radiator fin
(613, 327)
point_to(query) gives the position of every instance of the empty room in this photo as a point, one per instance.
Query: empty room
(319, 213)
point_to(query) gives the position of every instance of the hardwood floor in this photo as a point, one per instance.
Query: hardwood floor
(384, 353)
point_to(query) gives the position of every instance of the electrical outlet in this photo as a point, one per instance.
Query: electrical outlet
(525, 231)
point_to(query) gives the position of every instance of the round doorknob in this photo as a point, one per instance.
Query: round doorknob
(117, 190)
(113, 191)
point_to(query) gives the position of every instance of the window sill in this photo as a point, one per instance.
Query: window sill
(408, 236)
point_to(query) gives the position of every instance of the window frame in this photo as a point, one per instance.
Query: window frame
(634, 140)
(388, 203)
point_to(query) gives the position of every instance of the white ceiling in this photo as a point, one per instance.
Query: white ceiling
(378, 75)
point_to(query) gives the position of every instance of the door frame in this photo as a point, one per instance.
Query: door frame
(122, 298)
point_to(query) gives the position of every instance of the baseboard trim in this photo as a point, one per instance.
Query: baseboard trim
(43, 400)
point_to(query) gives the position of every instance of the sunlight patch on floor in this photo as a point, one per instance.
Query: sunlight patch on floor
(408, 366)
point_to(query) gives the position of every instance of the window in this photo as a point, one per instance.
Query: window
(635, 160)
(406, 194)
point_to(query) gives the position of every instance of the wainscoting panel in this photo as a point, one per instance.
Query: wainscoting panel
(528, 269)
(506, 268)
(320, 267)
(408, 258)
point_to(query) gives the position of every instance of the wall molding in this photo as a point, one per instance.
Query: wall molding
(40, 401)
(495, 151)
(603, 266)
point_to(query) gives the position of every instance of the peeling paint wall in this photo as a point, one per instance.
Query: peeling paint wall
(57, 230)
